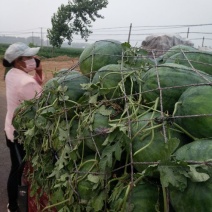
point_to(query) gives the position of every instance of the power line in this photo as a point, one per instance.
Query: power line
(134, 28)
(159, 26)
(121, 33)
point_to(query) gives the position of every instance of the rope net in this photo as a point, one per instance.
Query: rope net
(129, 136)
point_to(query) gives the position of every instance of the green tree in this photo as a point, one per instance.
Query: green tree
(74, 18)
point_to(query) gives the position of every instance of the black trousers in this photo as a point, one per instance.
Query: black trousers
(17, 154)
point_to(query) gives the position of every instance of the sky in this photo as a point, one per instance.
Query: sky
(24, 18)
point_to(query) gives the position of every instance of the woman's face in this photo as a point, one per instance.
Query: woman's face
(20, 62)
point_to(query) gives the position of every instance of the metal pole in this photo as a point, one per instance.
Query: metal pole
(187, 32)
(32, 39)
(129, 33)
(203, 41)
(41, 38)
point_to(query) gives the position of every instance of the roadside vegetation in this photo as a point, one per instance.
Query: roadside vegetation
(49, 52)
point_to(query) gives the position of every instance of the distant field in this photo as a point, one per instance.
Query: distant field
(49, 52)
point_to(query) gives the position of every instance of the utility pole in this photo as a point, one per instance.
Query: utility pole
(32, 39)
(188, 32)
(41, 37)
(129, 33)
(203, 39)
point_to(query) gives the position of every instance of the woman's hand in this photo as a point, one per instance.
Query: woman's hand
(38, 71)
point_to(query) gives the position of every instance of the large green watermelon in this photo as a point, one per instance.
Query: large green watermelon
(177, 49)
(113, 81)
(142, 197)
(198, 59)
(195, 101)
(198, 195)
(64, 72)
(94, 131)
(150, 139)
(71, 81)
(87, 189)
(99, 54)
(66, 89)
(172, 80)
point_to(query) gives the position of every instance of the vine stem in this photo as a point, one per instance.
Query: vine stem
(166, 209)
(152, 129)
(183, 130)
(56, 204)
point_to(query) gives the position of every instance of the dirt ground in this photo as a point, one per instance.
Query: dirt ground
(49, 67)
(55, 64)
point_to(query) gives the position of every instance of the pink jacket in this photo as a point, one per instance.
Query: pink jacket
(20, 86)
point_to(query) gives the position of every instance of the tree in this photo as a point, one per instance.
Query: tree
(74, 18)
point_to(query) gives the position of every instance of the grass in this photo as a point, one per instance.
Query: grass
(49, 52)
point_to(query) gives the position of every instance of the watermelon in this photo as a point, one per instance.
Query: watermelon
(99, 54)
(77, 143)
(177, 49)
(94, 132)
(26, 112)
(71, 83)
(110, 79)
(195, 101)
(144, 196)
(84, 185)
(64, 72)
(155, 148)
(51, 84)
(54, 82)
(200, 60)
(174, 79)
(95, 126)
(197, 195)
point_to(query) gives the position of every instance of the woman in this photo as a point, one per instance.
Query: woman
(20, 86)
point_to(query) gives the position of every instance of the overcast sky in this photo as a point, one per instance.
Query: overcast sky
(24, 17)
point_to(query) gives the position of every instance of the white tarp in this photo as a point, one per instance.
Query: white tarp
(160, 44)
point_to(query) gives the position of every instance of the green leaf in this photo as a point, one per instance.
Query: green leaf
(63, 134)
(126, 45)
(93, 99)
(142, 52)
(150, 170)
(172, 174)
(172, 145)
(103, 91)
(107, 155)
(99, 201)
(48, 111)
(35, 160)
(103, 111)
(117, 126)
(30, 132)
(73, 155)
(93, 178)
(197, 176)
(41, 122)
(57, 196)
(66, 154)
(63, 98)
(89, 86)
(113, 135)
(116, 192)
(118, 151)
(64, 177)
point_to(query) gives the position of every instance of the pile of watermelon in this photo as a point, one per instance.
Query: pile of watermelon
(125, 133)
